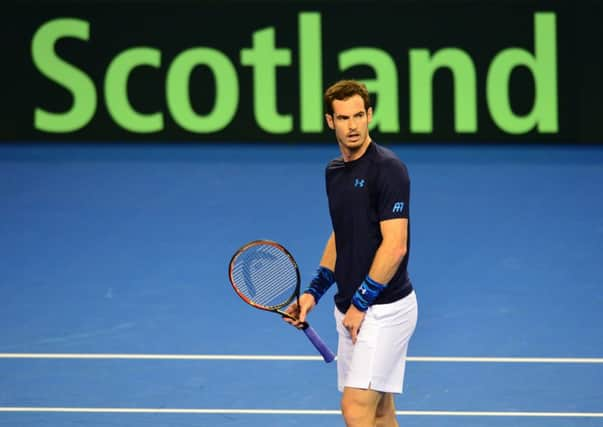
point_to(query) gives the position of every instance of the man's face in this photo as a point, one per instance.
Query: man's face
(350, 122)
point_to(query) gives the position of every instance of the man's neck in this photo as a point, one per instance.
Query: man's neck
(350, 155)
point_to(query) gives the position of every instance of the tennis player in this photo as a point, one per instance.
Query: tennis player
(368, 190)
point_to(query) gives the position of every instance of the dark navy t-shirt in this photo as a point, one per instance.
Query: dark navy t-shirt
(361, 194)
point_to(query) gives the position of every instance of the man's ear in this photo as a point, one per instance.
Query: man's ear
(329, 119)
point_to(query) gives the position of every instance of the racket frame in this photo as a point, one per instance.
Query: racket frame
(274, 308)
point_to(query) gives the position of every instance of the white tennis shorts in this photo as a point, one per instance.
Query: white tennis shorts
(378, 359)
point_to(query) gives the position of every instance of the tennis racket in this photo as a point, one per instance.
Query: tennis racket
(265, 275)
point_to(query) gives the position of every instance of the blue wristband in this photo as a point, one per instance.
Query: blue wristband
(321, 283)
(366, 294)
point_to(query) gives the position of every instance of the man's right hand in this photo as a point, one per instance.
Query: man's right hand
(299, 312)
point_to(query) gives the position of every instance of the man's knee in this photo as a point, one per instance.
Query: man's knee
(359, 407)
(355, 411)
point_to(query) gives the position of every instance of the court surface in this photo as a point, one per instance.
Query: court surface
(116, 310)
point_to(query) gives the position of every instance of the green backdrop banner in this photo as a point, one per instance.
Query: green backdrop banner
(453, 71)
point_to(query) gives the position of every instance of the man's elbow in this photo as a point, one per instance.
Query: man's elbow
(398, 252)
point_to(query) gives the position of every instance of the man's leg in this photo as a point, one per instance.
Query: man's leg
(359, 406)
(386, 411)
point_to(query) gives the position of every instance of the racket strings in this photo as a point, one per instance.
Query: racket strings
(265, 275)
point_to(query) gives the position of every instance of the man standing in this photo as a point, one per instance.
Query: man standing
(368, 190)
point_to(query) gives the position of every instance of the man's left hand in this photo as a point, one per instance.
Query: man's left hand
(352, 321)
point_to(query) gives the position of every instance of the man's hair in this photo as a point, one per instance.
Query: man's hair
(343, 90)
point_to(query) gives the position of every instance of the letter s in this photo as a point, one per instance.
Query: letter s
(56, 69)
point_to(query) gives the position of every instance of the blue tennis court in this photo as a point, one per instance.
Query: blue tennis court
(116, 308)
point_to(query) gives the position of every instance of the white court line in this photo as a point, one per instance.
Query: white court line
(298, 412)
(584, 360)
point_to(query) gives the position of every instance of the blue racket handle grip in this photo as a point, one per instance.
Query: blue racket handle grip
(320, 345)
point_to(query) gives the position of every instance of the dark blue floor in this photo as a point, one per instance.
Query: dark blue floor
(124, 249)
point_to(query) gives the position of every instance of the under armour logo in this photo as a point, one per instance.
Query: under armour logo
(358, 182)
(398, 207)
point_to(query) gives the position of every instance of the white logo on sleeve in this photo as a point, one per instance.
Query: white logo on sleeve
(398, 207)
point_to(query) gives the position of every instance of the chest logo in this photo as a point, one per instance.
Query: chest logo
(358, 182)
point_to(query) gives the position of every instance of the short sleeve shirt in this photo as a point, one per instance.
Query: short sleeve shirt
(361, 194)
